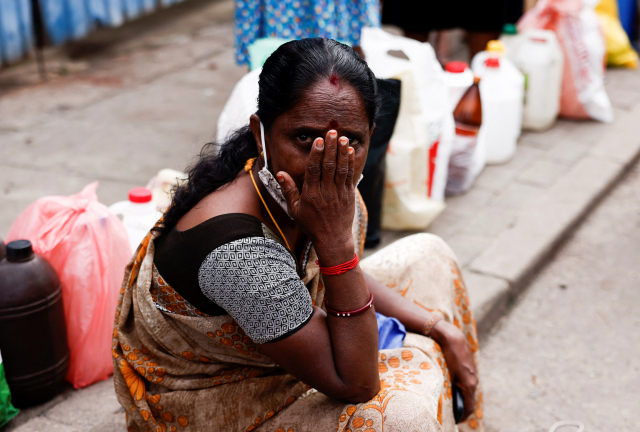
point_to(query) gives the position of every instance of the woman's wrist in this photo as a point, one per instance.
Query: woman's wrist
(334, 253)
(430, 323)
(439, 331)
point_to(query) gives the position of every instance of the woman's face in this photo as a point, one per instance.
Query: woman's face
(326, 106)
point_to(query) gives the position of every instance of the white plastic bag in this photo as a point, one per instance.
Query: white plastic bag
(465, 164)
(241, 104)
(576, 25)
(162, 185)
(418, 156)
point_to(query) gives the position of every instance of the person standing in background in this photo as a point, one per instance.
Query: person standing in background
(341, 20)
(482, 20)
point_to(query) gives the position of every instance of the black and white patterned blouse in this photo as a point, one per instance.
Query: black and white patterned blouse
(234, 264)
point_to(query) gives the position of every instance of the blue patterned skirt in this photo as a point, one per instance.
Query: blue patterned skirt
(298, 19)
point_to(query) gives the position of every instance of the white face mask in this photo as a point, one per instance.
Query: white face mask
(269, 181)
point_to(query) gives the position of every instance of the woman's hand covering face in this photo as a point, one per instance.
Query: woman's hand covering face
(317, 151)
(325, 206)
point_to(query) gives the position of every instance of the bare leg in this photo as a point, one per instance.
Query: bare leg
(419, 36)
(443, 46)
(478, 41)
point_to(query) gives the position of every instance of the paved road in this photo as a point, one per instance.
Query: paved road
(569, 348)
(148, 98)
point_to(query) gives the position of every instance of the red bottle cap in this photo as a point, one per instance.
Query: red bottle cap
(492, 62)
(456, 66)
(140, 195)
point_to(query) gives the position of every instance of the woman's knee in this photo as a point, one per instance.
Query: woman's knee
(431, 240)
(427, 244)
(411, 412)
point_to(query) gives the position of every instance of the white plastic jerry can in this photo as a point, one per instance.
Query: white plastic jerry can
(458, 77)
(538, 55)
(502, 92)
(139, 214)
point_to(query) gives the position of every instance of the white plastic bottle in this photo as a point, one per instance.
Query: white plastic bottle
(502, 91)
(458, 77)
(138, 214)
(496, 49)
(538, 55)
(509, 36)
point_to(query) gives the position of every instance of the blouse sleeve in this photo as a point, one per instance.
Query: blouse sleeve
(255, 280)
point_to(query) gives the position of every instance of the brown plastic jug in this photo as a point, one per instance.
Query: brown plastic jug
(33, 333)
(468, 112)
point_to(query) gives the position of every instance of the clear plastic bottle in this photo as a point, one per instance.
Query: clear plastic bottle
(464, 160)
(139, 214)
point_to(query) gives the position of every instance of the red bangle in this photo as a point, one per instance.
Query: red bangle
(349, 313)
(339, 269)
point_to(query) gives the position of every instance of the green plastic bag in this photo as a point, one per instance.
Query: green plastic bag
(261, 49)
(7, 411)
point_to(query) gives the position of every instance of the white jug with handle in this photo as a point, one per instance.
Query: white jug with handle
(538, 55)
(138, 213)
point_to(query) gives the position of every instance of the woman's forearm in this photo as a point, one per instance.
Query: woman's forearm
(354, 340)
(392, 304)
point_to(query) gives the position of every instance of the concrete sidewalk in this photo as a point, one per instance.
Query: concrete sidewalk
(517, 214)
(119, 112)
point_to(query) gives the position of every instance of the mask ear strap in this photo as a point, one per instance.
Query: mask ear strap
(264, 146)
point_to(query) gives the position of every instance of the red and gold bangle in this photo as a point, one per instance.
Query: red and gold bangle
(339, 269)
(430, 324)
(351, 312)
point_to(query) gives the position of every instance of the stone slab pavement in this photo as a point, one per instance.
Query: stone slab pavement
(568, 349)
(130, 110)
(126, 103)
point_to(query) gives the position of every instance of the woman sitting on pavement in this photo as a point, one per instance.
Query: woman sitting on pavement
(246, 308)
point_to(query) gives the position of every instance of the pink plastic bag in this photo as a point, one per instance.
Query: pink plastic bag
(89, 249)
(578, 29)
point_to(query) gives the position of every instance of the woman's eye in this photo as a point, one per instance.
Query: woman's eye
(353, 141)
(305, 139)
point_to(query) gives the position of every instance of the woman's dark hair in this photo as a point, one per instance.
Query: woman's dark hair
(291, 70)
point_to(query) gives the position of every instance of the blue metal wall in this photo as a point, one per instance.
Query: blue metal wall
(16, 31)
(64, 20)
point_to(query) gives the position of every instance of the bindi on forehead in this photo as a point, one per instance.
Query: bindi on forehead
(333, 79)
(333, 124)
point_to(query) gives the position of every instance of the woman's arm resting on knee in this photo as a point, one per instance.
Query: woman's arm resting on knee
(392, 304)
(336, 355)
(452, 341)
(332, 356)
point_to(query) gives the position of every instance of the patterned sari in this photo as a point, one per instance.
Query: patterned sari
(193, 372)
